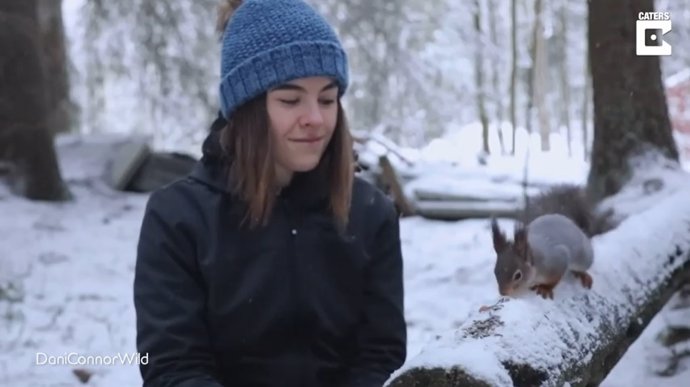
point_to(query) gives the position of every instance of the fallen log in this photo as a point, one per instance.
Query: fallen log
(577, 338)
(456, 210)
(450, 196)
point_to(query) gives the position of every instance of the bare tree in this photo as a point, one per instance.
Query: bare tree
(586, 96)
(563, 70)
(479, 76)
(540, 76)
(630, 112)
(496, 81)
(513, 71)
(393, 81)
(171, 58)
(529, 107)
(25, 140)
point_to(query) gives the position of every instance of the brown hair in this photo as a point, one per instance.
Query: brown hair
(247, 142)
(225, 11)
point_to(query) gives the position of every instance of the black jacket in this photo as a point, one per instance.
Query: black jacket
(293, 303)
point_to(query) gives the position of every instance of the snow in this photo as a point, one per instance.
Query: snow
(72, 266)
(677, 78)
(459, 148)
(74, 263)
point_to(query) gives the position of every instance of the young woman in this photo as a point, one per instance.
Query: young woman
(271, 264)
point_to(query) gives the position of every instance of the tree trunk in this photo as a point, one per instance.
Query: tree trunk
(25, 141)
(540, 77)
(25, 9)
(529, 113)
(565, 86)
(479, 78)
(498, 96)
(585, 106)
(513, 71)
(630, 112)
(56, 64)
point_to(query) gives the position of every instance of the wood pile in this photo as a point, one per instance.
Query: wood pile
(430, 195)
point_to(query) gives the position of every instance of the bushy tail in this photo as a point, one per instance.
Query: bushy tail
(571, 201)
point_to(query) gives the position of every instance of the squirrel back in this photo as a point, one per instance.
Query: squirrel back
(566, 199)
(555, 240)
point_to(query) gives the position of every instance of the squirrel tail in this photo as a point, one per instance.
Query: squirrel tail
(570, 201)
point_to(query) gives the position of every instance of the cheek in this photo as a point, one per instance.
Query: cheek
(330, 119)
(280, 123)
(277, 132)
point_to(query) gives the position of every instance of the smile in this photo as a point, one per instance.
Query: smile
(310, 140)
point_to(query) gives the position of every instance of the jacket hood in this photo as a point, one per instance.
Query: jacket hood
(213, 166)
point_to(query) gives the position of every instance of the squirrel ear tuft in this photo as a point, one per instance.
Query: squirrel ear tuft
(520, 237)
(499, 238)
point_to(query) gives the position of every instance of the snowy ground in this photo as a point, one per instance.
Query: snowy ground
(75, 263)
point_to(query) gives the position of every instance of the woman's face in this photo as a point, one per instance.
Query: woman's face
(302, 115)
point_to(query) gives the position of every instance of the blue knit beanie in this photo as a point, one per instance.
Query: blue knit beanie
(267, 43)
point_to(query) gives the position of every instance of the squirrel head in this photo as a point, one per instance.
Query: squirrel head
(514, 267)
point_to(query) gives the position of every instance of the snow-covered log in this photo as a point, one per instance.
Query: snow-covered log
(450, 210)
(577, 338)
(453, 198)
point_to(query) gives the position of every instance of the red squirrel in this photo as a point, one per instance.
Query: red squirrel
(553, 238)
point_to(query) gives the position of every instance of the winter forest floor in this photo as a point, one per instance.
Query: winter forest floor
(71, 266)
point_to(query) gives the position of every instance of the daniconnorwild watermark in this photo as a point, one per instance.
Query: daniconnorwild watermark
(74, 358)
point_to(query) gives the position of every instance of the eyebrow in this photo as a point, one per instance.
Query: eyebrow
(291, 86)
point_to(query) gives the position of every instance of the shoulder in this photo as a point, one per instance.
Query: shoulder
(366, 194)
(370, 203)
(172, 194)
(184, 200)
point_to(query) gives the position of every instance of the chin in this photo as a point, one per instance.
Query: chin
(305, 166)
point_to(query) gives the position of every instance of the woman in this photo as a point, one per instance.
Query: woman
(271, 264)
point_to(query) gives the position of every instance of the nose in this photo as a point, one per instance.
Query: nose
(312, 115)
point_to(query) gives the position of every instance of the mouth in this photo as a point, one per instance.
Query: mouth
(307, 140)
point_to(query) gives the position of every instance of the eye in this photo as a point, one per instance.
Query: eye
(326, 102)
(290, 102)
(517, 276)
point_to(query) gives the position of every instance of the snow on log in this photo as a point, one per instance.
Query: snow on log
(578, 337)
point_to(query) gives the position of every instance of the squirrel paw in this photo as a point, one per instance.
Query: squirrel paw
(546, 291)
(585, 278)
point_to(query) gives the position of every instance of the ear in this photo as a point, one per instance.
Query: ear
(500, 242)
(520, 245)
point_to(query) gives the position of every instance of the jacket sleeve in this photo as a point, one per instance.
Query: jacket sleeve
(383, 337)
(169, 300)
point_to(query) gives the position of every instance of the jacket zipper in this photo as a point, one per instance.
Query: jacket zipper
(295, 288)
